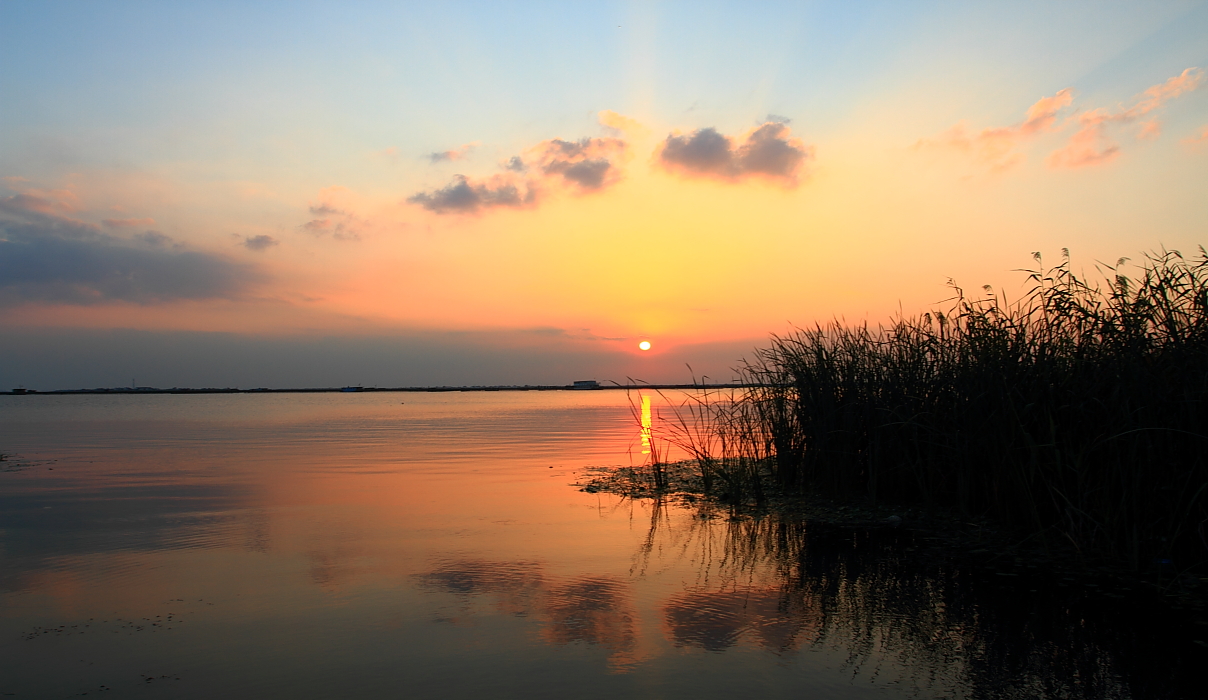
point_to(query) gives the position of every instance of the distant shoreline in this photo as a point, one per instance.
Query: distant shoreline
(358, 390)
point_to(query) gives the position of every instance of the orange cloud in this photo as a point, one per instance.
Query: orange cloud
(1091, 145)
(995, 148)
(767, 151)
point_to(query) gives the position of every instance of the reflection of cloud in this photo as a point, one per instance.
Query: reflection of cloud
(513, 585)
(714, 620)
(768, 151)
(46, 527)
(592, 609)
(45, 256)
(586, 165)
(334, 564)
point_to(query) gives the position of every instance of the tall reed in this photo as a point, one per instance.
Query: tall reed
(1076, 414)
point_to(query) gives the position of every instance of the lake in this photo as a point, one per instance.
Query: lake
(433, 545)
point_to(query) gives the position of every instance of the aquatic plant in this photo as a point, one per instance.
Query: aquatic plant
(1076, 414)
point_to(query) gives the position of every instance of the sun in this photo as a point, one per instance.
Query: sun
(645, 345)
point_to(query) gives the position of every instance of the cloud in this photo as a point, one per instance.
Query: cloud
(259, 243)
(341, 224)
(154, 239)
(48, 257)
(128, 223)
(1151, 129)
(617, 124)
(580, 167)
(768, 151)
(995, 147)
(466, 196)
(458, 153)
(586, 164)
(1091, 143)
(1199, 139)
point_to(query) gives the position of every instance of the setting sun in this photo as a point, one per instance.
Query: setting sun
(645, 345)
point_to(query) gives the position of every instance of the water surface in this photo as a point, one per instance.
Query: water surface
(431, 545)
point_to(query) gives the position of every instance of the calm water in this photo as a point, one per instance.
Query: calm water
(430, 545)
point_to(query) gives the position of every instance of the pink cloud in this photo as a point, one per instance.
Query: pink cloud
(1151, 129)
(1156, 96)
(1087, 146)
(1043, 113)
(1091, 144)
(995, 147)
(1199, 139)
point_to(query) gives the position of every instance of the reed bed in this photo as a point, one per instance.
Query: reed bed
(1074, 415)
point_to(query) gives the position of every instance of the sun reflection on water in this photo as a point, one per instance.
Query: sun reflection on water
(645, 424)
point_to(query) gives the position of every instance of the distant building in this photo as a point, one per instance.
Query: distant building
(587, 384)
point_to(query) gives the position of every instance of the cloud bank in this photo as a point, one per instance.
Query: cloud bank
(768, 151)
(49, 257)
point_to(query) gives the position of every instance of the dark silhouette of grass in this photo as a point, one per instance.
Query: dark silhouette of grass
(1076, 415)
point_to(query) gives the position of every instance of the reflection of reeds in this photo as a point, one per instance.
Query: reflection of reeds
(1077, 414)
(904, 618)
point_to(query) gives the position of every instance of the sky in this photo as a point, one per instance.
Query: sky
(406, 194)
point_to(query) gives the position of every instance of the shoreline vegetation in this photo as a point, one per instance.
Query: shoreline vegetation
(360, 389)
(1072, 422)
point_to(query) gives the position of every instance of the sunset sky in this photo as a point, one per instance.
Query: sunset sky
(291, 194)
